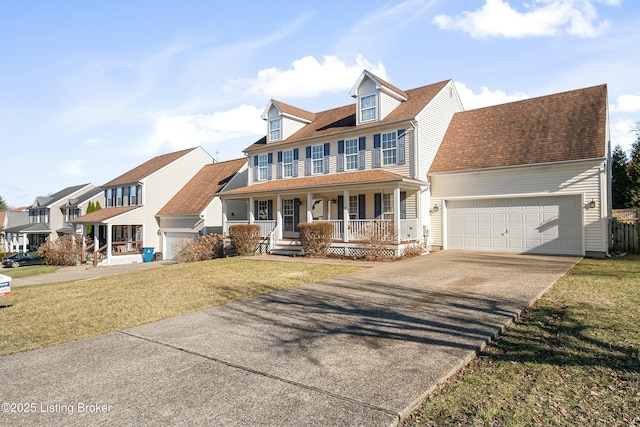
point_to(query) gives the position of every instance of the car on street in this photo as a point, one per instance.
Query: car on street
(21, 259)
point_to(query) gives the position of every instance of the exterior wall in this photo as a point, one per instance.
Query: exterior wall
(584, 178)
(387, 104)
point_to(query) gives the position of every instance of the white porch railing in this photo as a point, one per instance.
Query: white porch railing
(409, 230)
(337, 228)
(266, 227)
(273, 236)
(230, 223)
(360, 228)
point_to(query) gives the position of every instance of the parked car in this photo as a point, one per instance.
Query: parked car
(20, 259)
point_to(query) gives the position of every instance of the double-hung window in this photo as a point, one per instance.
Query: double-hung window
(133, 196)
(109, 197)
(353, 207)
(119, 196)
(389, 149)
(368, 106)
(351, 153)
(317, 159)
(287, 163)
(274, 129)
(387, 206)
(263, 164)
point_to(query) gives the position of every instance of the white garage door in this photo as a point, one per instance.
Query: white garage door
(543, 225)
(175, 241)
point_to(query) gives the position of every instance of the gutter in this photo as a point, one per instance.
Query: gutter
(500, 168)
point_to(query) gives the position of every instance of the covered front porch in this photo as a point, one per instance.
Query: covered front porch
(388, 208)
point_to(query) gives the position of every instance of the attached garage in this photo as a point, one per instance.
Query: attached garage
(173, 242)
(541, 225)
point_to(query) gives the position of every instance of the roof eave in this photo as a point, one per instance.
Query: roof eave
(498, 168)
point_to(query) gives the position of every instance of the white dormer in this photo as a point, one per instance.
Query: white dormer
(375, 98)
(284, 120)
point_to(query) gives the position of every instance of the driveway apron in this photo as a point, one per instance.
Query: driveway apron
(360, 349)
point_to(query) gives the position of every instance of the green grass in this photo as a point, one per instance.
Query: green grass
(28, 271)
(43, 315)
(572, 359)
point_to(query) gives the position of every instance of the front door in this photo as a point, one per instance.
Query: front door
(290, 217)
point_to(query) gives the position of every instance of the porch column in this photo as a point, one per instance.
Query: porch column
(25, 243)
(251, 216)
(345, 215)
(309, 206)
(109, 237)
(279, 222)
(419, 216)
(96, 243)
(396, 212)
(224, 216)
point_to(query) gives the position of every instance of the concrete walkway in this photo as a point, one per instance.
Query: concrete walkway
(361, 349)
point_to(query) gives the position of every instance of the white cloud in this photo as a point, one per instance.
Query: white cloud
(176, 132)
(486, 97)
(93, 141)
(541, 18)
(627, 104)
(73, 167)
(309, 77)
(622, 133)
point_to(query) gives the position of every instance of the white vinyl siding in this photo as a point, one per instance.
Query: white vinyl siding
(579, 179)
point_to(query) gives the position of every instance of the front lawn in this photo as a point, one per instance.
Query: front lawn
(572, 359)
(43, 315)
(28, 271)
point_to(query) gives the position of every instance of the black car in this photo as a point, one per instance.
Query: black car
(20, 259)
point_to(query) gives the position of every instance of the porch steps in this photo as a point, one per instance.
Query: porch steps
(287, 247)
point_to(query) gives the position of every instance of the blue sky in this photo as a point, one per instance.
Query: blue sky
(89, 90)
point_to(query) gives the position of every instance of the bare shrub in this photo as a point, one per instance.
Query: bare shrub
(245, 238)
(205, 248)
(377, 237)
(63, 251)
(316, 237)
(412, 251)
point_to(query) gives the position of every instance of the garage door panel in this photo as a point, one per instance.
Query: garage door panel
(550, 225)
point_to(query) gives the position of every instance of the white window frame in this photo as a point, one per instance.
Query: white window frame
(263, 210)
(317, 159)
(353, 207)
(119, 192)
(275, 127)
(263, 164)
(133, 195)
(351, 154)
(368, 108)
(287, 163)
(389, 144)
(387, 206)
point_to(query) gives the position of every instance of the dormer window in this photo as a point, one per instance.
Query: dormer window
(368, 110)
(274, 129)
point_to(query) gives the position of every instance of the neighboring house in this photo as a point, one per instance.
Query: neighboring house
(77, 207)
(196, 209)
(504, 178)
(12, 241)
(127, 222)
(46, 217)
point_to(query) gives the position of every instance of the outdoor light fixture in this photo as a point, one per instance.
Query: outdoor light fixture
(592, 204)
(434, 208)
(334, 201)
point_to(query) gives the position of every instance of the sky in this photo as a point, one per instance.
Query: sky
(89, 90)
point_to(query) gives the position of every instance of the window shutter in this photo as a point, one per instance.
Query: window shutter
(270, 210)
(256, 214)
(377, 205)
(255, 167)
(362, 144)
(362, 207)
(401, 146)
(403, 205)
(295, 162)
(279, 173)
(340, 207)
(377, 151)
(327, 152)
(307, 163)
(296, 214)
(269, 163)
(341, 155)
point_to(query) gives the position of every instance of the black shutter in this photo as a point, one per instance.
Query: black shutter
(401, 146)
(255, 167)
(377, 151)
(341, 155)
(256, 214)
(403, 205)
(269, 163)
(296, 214)
(377, 205)
(307, 163)
(340, 207)
(270, 210)
(362, 144)
(362, 207)
(279, 172)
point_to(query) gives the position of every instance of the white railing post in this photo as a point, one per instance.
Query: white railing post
(345, 215)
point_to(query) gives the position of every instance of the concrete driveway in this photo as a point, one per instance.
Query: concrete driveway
(361, 349)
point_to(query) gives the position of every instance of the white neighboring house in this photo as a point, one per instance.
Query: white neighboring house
(127, 223)
(196, 210)
(525, 177)
(46, 218)
(13, 220)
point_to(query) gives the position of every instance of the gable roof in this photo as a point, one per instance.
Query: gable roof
(62, 194)
(103, 214)
(379, 82)
(72, 203)
(555, 128)
(343, 118)
(147, 168)
(293, 111)
(196, 195)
